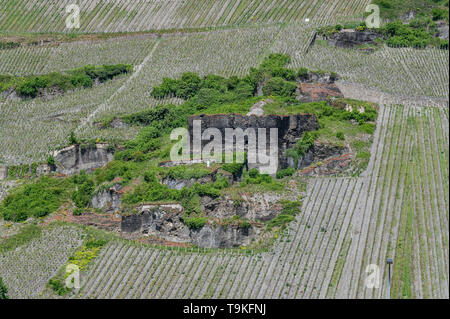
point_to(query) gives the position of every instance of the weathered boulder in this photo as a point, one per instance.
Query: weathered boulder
(73, 159)
(108, 200)
(350, 38)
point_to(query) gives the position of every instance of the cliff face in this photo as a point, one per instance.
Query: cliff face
(165, 221)
(71, 160)
(108, 200)
(290, 129)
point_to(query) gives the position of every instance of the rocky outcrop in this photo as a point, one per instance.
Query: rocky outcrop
(3, 172)
(166, 221)
(323, 159)
(257, 207)
(180, 183)
(108, 200)
(351, 38)
(222, 236)
(43, 169)
(73, 159)
(318, 77)
(319, 153)
(163, 221)
(314, 92)
(290, 129)
(443, 29)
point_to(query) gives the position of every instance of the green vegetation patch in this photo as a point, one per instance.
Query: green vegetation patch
(36, 199)
(30, 86)
(290, 210)
(26, 234)
(81, 258)
(3, 290)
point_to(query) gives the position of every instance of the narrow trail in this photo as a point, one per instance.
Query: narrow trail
(103, 106)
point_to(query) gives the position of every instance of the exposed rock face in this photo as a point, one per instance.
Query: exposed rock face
(315, 77)
(108, 200)
(320, 152)
(314, 92)
(3, 172)
(290, 129)
(258, 108)
(71, 160)
(352, 38)
(222, 237)
(164, 221)
(181, 183)
(258, 207)
(43, 169)
(443, 29)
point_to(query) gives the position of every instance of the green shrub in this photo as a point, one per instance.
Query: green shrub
(57, 285)
(189, 85)
(279, 86)
(234, 168)
(340, 135)
(72, 138)
(82, 196)
(287, 215)
(285, 172)
(38, 199)
(50, 160)
(77, 211)
(280, 221)
(30, 86)
(290, 207)
(3, 290)
(195, 223)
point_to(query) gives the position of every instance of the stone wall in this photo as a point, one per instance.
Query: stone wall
(290, 129)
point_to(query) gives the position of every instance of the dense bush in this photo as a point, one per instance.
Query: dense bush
(82, 196)
(30, 86)
(279, 86)
(195, 223)
(3, 290)
(285, 172)
(35, 200)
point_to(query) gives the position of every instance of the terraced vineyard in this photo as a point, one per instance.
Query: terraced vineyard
(141, 15)
(27, 269)
(398, 209)
(414, 73)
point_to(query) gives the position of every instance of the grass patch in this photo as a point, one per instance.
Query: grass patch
(26, 235)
